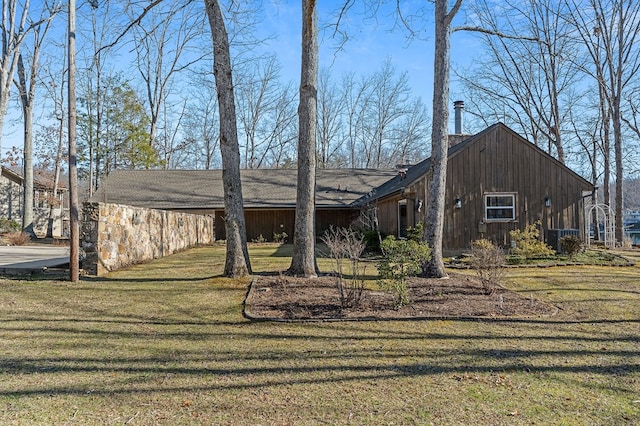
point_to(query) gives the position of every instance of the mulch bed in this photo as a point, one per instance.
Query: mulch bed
(286, 298)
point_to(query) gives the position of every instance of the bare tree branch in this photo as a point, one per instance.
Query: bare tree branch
(133, 23)
(495, 33)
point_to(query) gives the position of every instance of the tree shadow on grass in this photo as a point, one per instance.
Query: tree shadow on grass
(328, 366)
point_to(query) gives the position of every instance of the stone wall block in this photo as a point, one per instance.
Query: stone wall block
(116, 236)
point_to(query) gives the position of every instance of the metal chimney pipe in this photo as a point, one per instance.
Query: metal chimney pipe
(458, 106)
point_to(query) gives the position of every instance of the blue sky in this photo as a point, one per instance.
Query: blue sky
(371, 42)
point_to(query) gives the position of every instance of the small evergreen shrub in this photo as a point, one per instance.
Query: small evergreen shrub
(571, 245)
(516, 259)
(528, 244)
(280, 238)
(260, 239)
(415, 233)
(8, 225)
(401, 259)
(372, 240)
(487, 259)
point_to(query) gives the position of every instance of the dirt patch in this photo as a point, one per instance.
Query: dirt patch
(281, 297)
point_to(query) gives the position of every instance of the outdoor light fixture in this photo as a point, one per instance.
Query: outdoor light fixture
(458, 203)
(419, 205)
(547, 201)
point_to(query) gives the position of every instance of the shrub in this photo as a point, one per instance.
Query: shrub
(280, 238)
(372, 240)
(516, 259)
(18, 238)
(401, 259)
(571, 245)
(487, 259)
(260, 239)
(528, 244)
(415, 233)
(345, 244)
(8, 225)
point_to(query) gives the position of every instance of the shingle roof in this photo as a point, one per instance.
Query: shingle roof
(262, 188)
(42, 179)
(413, 173)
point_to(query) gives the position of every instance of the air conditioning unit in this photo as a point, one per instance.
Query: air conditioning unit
(555, 235)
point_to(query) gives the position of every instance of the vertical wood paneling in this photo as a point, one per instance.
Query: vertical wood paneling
(501, 161)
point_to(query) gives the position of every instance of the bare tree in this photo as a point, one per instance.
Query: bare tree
(303, 261)
(237, 255)
(389, 103)
(436, 185)
(356, 99)
(26, 84)
(282, 129)
(200, 147)
(258, 94)
(163, 41)
(383, 124)
(95, 78)
(409, 135)
(530, 82)
(330, 109)
(74, 208)
(610, 32)
(13, 30)
(55, 84)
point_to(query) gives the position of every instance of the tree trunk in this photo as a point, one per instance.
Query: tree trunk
(56, 174)
(436, 185)
(304, 258)
(237, 255)
(27, 111)
(74, 228)
(617, 144)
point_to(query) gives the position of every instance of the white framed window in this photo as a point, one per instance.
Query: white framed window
(500, 206)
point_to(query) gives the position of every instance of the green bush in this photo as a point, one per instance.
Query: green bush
(8, 225)
(415, 233)
(571, 245)
(516, 259)
(260, 239)
(528, 244)
(280, 238)
(401, 259)
(372, 240)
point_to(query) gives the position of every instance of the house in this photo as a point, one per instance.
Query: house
(11, 199)
(497, 182)
(269, 195)
(10, 195)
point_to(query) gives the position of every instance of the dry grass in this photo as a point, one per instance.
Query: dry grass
(166, 343)
(17, 238)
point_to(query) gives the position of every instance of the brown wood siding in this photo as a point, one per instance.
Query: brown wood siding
(260, 223)
(338, 218)
(265, 222)
(499, 161)
(388, 215)
(510, 164)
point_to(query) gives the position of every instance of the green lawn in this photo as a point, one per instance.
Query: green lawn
(166, 343)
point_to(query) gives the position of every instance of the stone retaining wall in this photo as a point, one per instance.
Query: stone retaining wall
(115, 236)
